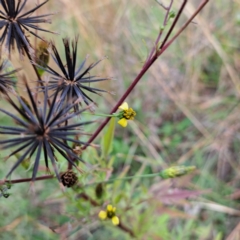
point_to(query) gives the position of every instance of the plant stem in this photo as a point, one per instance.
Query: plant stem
(124, 228)
(163, 48)
(52, 176)
(173, 24)
(101, 114)
(121, 100)
(161, 30)
(125, 178)
(26, 179)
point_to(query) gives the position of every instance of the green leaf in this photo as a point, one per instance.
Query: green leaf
(111, 162)
(40, 71)
(107, 139)
(26, 163)
(219, 236)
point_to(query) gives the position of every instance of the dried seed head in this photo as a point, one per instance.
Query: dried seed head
(7, 77)
(41, 131)
(15, 23)
(75, 82)
(69, 178)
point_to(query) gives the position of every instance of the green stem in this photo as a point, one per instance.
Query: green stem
(102, 114)
(125, 178)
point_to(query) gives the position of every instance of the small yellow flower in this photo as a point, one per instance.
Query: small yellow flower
(102, 215)
(109, 213)
(126, 114)
(115, 220)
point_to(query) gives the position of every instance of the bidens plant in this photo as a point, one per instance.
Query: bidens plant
(47, 123)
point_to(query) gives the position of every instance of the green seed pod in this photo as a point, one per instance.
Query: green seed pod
(26, 163)
(176, 171)
(172, 14)
(99, 190)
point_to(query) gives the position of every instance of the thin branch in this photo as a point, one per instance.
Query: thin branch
(161, 30)
(201, 6)
(124, 228)
(120, 101)
(26, 179)
(174, 23)
(166, 8)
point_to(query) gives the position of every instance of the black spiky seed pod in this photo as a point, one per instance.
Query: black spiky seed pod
(7, 78)
(69, 178)
(41, 131)
(75, 82)
(15, 23)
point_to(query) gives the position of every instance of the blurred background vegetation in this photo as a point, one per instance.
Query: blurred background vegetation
(188, 113)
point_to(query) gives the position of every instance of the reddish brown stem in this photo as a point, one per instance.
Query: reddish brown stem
(70, 166)
(27, 179)
(174, 23)
(125, 229)
(163, 48)
(104, 123)
(87, 198)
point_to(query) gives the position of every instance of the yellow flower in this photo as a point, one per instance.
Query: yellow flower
(102, 215)
(115, 220)
(126, 114)
(109, 213)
